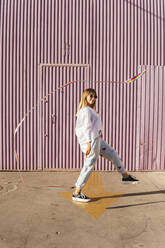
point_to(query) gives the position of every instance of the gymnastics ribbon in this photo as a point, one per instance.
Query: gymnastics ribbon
(42, 99)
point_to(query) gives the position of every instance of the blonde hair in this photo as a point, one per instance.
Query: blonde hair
(83, 103)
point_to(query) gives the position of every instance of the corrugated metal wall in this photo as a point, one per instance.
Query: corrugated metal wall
(113, 38)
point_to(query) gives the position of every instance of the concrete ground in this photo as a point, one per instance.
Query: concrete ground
(120, 216)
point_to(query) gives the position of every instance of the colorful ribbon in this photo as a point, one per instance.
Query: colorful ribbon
(42, 99)
(136, 77)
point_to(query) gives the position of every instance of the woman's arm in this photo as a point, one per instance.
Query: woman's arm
(87, 124)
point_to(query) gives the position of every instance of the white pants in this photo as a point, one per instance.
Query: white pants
(98, 147)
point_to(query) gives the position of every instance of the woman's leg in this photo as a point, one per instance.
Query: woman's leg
(89, 164)
(109, 153)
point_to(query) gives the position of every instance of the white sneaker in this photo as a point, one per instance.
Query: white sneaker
(80, 197)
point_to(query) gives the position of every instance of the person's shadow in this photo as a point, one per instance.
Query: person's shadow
(131, 194)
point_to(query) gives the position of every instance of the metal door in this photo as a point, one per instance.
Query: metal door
(59, 148)
(150, 141)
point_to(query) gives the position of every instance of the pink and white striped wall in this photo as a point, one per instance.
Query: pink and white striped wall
(46, 43)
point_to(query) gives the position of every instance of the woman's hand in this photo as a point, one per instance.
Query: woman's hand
(100, 132)
(88, 149)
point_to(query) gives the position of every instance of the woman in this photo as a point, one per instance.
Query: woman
(89, 133)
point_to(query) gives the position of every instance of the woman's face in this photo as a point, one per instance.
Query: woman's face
(91, 99)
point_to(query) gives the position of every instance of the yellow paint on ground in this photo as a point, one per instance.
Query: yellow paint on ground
(101, 199)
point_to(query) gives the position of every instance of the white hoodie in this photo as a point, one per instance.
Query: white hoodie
(88, 125)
